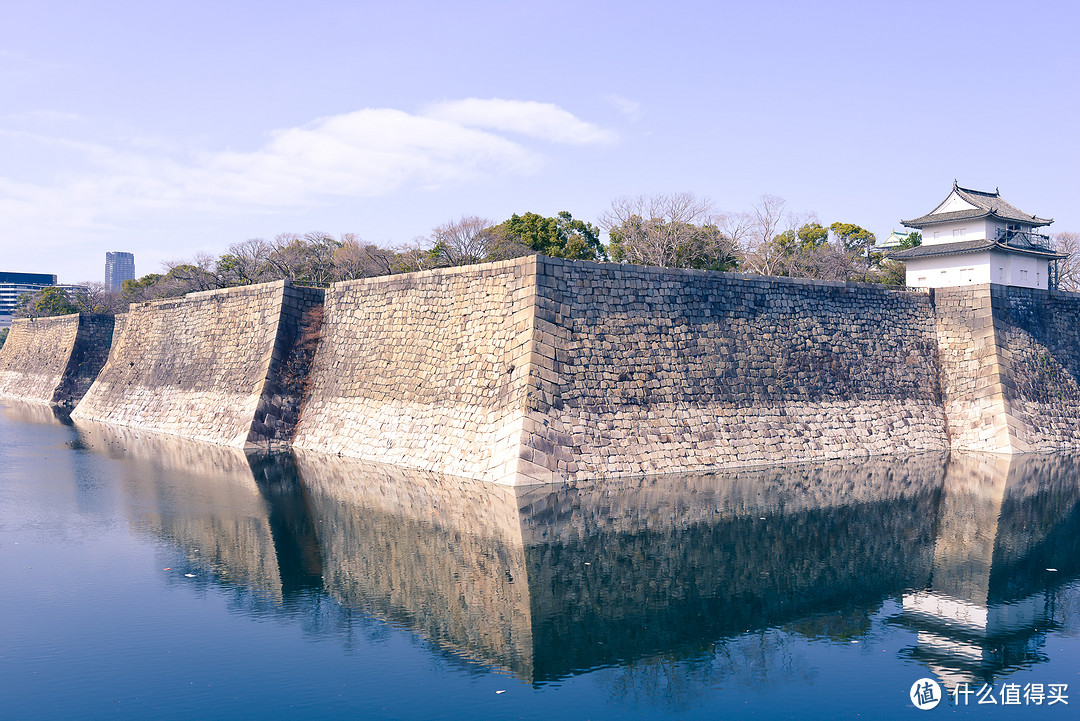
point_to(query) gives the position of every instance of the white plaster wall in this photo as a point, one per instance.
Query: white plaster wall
(953, 203)
(950, 271)
(1026, 271)
(957, 231)
(974, 268)
(1000, 268)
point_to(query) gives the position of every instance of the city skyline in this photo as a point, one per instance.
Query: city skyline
(173, 134)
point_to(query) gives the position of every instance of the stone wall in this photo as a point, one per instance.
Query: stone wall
(35, 357)
(214, 366)
(972, 377)
(119, 323)
(54, 360)
(1038, 334)
(537, 369)
(645, 370)
(427, 370)
(542, 370)
(1010, 367)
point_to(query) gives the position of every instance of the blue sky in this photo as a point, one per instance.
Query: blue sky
(168, 130)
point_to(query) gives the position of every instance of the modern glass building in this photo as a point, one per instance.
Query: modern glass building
(119, 266)
(12, 285)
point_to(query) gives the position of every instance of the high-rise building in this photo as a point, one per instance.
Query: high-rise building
(12, 285)
(119, 266)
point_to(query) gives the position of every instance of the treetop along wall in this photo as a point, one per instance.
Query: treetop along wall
(54, 360)
(222, 366)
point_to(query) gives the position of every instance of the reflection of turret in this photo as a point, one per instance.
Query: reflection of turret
(547, 582)
(1001, 524)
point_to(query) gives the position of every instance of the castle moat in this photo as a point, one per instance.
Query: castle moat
(155, 577)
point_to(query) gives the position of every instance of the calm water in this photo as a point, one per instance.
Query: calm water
(152, 578)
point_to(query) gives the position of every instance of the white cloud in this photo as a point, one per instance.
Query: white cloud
(543, 121)
(365, 153)
(61, 192)
(630, 108)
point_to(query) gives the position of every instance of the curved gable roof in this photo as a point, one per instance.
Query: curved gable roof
(981, 204)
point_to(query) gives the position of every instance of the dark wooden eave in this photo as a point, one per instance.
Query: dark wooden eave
(932, 250)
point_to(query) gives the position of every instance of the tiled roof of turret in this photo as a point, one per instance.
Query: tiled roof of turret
(926, 251)
(986, 204)
(930, 250)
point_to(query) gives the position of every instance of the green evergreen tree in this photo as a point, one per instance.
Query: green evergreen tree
(559, 237)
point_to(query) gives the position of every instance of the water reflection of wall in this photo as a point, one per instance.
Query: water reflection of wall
(200, 497)
(439, 554)
(1001, 525)
(547, 582)
(38, 413)
(621, 572)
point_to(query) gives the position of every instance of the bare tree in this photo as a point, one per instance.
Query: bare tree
(306, 259)
(657, 229)
(504, 245)
(463, 241)
(1068, 268)
(357, 259)
(245, 263)
(737, 227)
(767, 218)
(96, 297)
(828, 262)
(414, 256)
(181, 277)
